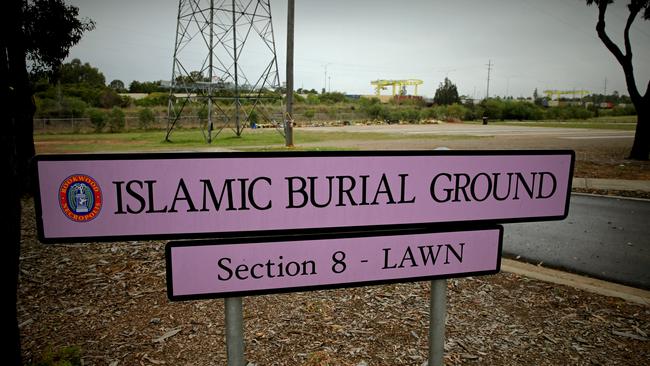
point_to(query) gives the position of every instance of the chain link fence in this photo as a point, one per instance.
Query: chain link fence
(132, 123)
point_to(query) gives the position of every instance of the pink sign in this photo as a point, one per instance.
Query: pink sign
(111, 197)
(224, 269)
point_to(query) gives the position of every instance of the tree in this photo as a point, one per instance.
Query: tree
(146, 87)
(146, 118)
(41, 32)
(97, 119)
(117, 85)
(446, 94)
(641, 146)
(74, 72)
(116, 120)
(309, 114)
(109, 98)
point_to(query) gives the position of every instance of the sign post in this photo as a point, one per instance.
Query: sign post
(234, 331)
(437, 315)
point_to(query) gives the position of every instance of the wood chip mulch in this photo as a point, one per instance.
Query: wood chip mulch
(110, 300)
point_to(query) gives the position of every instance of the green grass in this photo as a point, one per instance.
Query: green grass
(270, 139)
(186, 139)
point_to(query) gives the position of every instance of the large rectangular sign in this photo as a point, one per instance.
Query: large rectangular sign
(248, 266)
(183, 195)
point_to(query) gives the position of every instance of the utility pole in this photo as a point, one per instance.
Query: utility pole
(325, 82)
(487, 93)
(288, 123)
(605, 92)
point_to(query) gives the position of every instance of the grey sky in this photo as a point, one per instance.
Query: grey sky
(548, 44)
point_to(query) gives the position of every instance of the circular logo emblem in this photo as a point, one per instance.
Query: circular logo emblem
(80, 198)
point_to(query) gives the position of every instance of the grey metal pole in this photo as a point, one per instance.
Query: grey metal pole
(236, 59)
(288, 124)
(210, 66)
(437, 314)
(234, 331)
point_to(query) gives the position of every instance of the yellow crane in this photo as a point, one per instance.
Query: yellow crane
(398, 85)
(559, 93)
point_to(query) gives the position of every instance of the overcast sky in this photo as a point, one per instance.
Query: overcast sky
(549, 44)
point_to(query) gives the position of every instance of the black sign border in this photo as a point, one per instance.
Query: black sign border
(440, 226)
(330, 236)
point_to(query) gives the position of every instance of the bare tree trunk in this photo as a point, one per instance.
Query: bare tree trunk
(10, 226)
(641, 147)
(17, 151)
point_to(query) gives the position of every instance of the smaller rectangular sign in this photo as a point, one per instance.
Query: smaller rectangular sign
(237, 267)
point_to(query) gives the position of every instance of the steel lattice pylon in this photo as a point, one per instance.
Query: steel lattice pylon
(225, 62)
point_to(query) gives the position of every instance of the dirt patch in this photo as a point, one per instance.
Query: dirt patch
(110, 299)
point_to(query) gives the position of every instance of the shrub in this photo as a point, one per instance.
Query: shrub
(411, 115)
(253, 119)
(568, 112)
(312, 99)
(374, 111)
(153, 99)
(332, 112)
(331, 98)
(522, 111)
(492, 108)
(146, 118)
(72, 106)
(456, 111)
(309, 114)
(427, 113)
(202, 114)
(109, 98)
(393, 116)
(97, 119)
(116, 120)
(473, 112)
(627, 110)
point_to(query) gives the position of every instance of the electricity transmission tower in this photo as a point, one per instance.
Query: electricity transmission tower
(224, 65)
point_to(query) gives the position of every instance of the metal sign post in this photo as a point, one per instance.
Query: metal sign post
(437, 314)
(234, 331)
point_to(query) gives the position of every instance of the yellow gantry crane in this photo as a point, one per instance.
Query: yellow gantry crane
(559, 93)
(398, 85)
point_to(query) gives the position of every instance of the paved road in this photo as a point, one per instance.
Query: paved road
(603, 237)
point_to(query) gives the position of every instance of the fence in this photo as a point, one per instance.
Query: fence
(83, 124)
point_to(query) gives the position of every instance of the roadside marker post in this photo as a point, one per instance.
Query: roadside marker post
(393, 216)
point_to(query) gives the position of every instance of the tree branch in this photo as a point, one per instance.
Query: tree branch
(624, 60)
(600, 30)
(634, 10)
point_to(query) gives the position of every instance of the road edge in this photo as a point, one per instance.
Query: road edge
(592, 285)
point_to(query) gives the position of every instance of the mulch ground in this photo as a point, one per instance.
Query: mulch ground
(110, 300)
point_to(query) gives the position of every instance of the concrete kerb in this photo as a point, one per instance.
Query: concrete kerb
(592, 285)
(613, 184)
